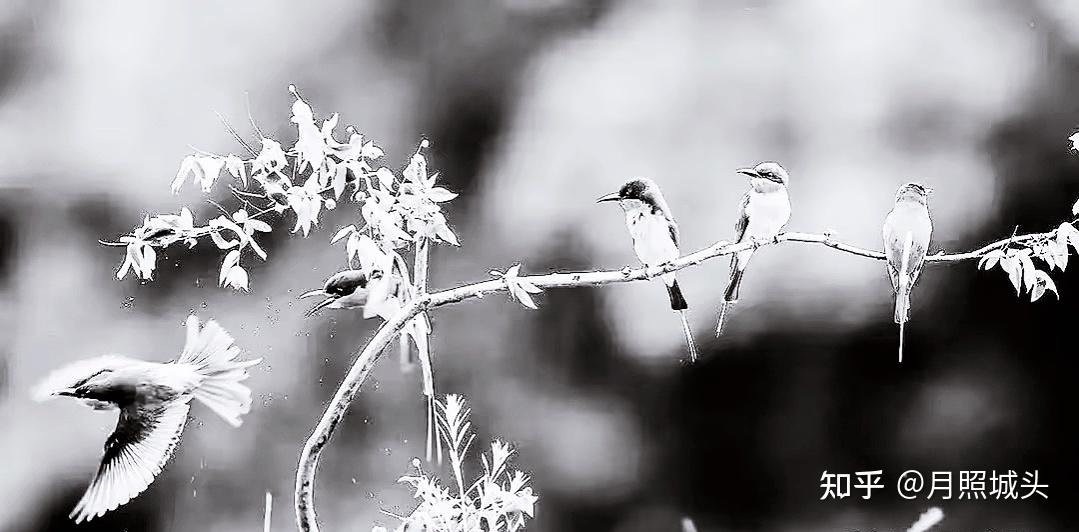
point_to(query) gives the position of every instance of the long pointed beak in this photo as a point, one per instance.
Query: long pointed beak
(748, 171)
(66, 392)
(311, 294)
(319, 307)
(613, 196)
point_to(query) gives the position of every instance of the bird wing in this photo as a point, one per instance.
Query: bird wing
(743, 219)
(345, 283)
(673, 227)
(135, 453)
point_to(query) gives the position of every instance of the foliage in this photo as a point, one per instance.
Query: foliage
(499, 500)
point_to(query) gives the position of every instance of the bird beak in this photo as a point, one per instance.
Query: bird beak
(66, 392)
(613, 196)
(319, 307)
(748, 171)
(311, 294)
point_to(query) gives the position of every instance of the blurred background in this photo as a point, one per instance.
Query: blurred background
(534, 108)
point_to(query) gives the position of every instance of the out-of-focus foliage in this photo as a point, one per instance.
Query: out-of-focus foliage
(498, 500)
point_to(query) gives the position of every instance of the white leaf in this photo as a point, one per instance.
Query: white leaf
(211, 168)
(1014, 268)
(237, 168)
(187, 167)
(231, 260)
(237, 278)
(440, 195)
(523, 297)
(1075, 141)
(221, 242)
(345, 231)
(1029, 269)
(990, 259)
(446, 234)
(1075, 206)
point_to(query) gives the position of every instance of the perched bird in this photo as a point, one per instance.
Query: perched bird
(907, 230)
(655, 238)
(345, 290)
(763, 213)
(153, 399)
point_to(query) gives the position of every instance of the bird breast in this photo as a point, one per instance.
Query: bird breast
(651, 234)
(767, 212)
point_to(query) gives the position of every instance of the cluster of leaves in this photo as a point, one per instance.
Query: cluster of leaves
(1018, 261)
(302, 181)
(499, 500)
(520, 290)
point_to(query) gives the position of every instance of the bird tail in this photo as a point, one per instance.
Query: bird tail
(678, 302)
(902, 292)
(682, 314)
(213, 355)
(730, 297)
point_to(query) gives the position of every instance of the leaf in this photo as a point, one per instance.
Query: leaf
(1069, 235)
(187, 167)
(231, 260)
(221, 242)
(237, 278)
(1075, 141)
(1014, 268)
(345, 231)
(211, 169)
(1029, 269)
(340, 180)
(440, 195)
(237, 168)
(989, 260)
(445, 234)
(1075, 206)
(370, 151)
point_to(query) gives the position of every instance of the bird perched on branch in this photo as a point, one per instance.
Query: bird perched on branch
(153, 399)
(907, 231)
(655, 238)
(763, 213)
(345, 290)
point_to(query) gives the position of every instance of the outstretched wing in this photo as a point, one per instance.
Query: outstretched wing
(135, 453)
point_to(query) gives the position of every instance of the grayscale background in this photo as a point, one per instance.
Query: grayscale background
(534, 108)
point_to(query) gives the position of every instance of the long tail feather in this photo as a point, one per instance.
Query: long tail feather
(902, 327)
(725, 309)
(682, 314)
(213, 355)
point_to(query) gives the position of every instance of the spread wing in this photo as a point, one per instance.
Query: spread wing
(135, 453)
(743, 219)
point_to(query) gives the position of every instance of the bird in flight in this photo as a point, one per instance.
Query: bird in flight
(907, 231)
(153, 399)
(655, 239)
(763, 213)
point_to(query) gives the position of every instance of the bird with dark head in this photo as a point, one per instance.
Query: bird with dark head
(762, 214)
(153, 399)
(343, 290)
(908, 229)
(655, 238)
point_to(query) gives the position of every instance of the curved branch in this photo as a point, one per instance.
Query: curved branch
(372, 352)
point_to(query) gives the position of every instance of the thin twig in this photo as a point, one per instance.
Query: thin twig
(372, 352)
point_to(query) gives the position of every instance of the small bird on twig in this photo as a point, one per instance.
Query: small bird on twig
(655, 238)
(763, 213)
(907, 231)
(153, 399)
(344, 290)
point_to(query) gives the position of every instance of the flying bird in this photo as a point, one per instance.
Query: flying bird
(343, 290)
(655, 238)
(907, 231)
(153, 399)
(763, 213)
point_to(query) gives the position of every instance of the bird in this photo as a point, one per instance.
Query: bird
(344, 290)
(153, 399)
(655, 238)
(907, 231)
(762, 214)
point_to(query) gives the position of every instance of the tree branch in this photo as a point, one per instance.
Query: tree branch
(372, 352)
